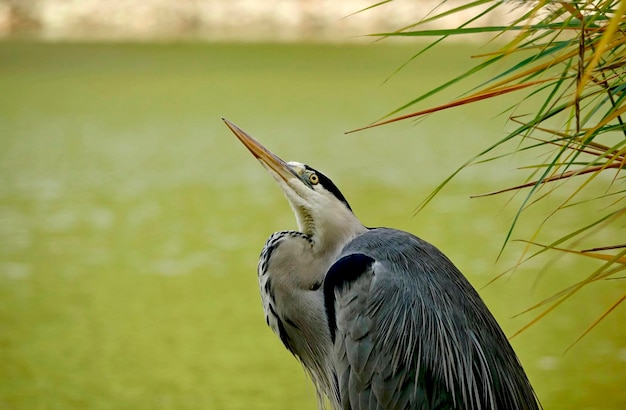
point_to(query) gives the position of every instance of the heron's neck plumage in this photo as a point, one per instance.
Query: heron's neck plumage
(334, 231)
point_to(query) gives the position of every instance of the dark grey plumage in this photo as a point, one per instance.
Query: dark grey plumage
(412, 333)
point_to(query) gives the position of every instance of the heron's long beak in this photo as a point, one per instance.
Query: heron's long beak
(261, 153)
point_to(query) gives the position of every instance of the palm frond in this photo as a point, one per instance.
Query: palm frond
(571, 55)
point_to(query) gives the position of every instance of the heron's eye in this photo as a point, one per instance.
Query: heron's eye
(314, 179)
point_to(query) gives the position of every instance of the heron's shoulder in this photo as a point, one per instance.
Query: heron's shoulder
(378, 236)
(401, 256)
(386, 242)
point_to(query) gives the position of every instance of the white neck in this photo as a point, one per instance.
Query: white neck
(335, 231)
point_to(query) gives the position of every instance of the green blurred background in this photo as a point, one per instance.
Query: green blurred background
(131, 219)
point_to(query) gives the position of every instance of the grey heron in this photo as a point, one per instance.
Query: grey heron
(379, 318)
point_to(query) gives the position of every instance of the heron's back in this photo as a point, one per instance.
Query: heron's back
(411, 332)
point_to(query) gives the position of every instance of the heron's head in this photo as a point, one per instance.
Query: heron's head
(321, 210)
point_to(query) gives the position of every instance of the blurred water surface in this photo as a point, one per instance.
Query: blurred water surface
(131, 219)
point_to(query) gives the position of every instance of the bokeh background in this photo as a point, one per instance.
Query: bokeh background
(131, 219)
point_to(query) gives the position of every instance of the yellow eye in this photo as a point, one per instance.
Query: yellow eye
(314, 179)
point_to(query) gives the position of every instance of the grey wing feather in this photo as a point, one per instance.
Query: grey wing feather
(371, 373)
(410, 332)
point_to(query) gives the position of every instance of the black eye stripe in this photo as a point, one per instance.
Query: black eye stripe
(328, 184)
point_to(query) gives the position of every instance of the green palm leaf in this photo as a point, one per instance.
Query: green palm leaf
(571, 55)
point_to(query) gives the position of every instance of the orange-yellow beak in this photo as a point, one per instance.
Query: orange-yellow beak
(271, 161)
